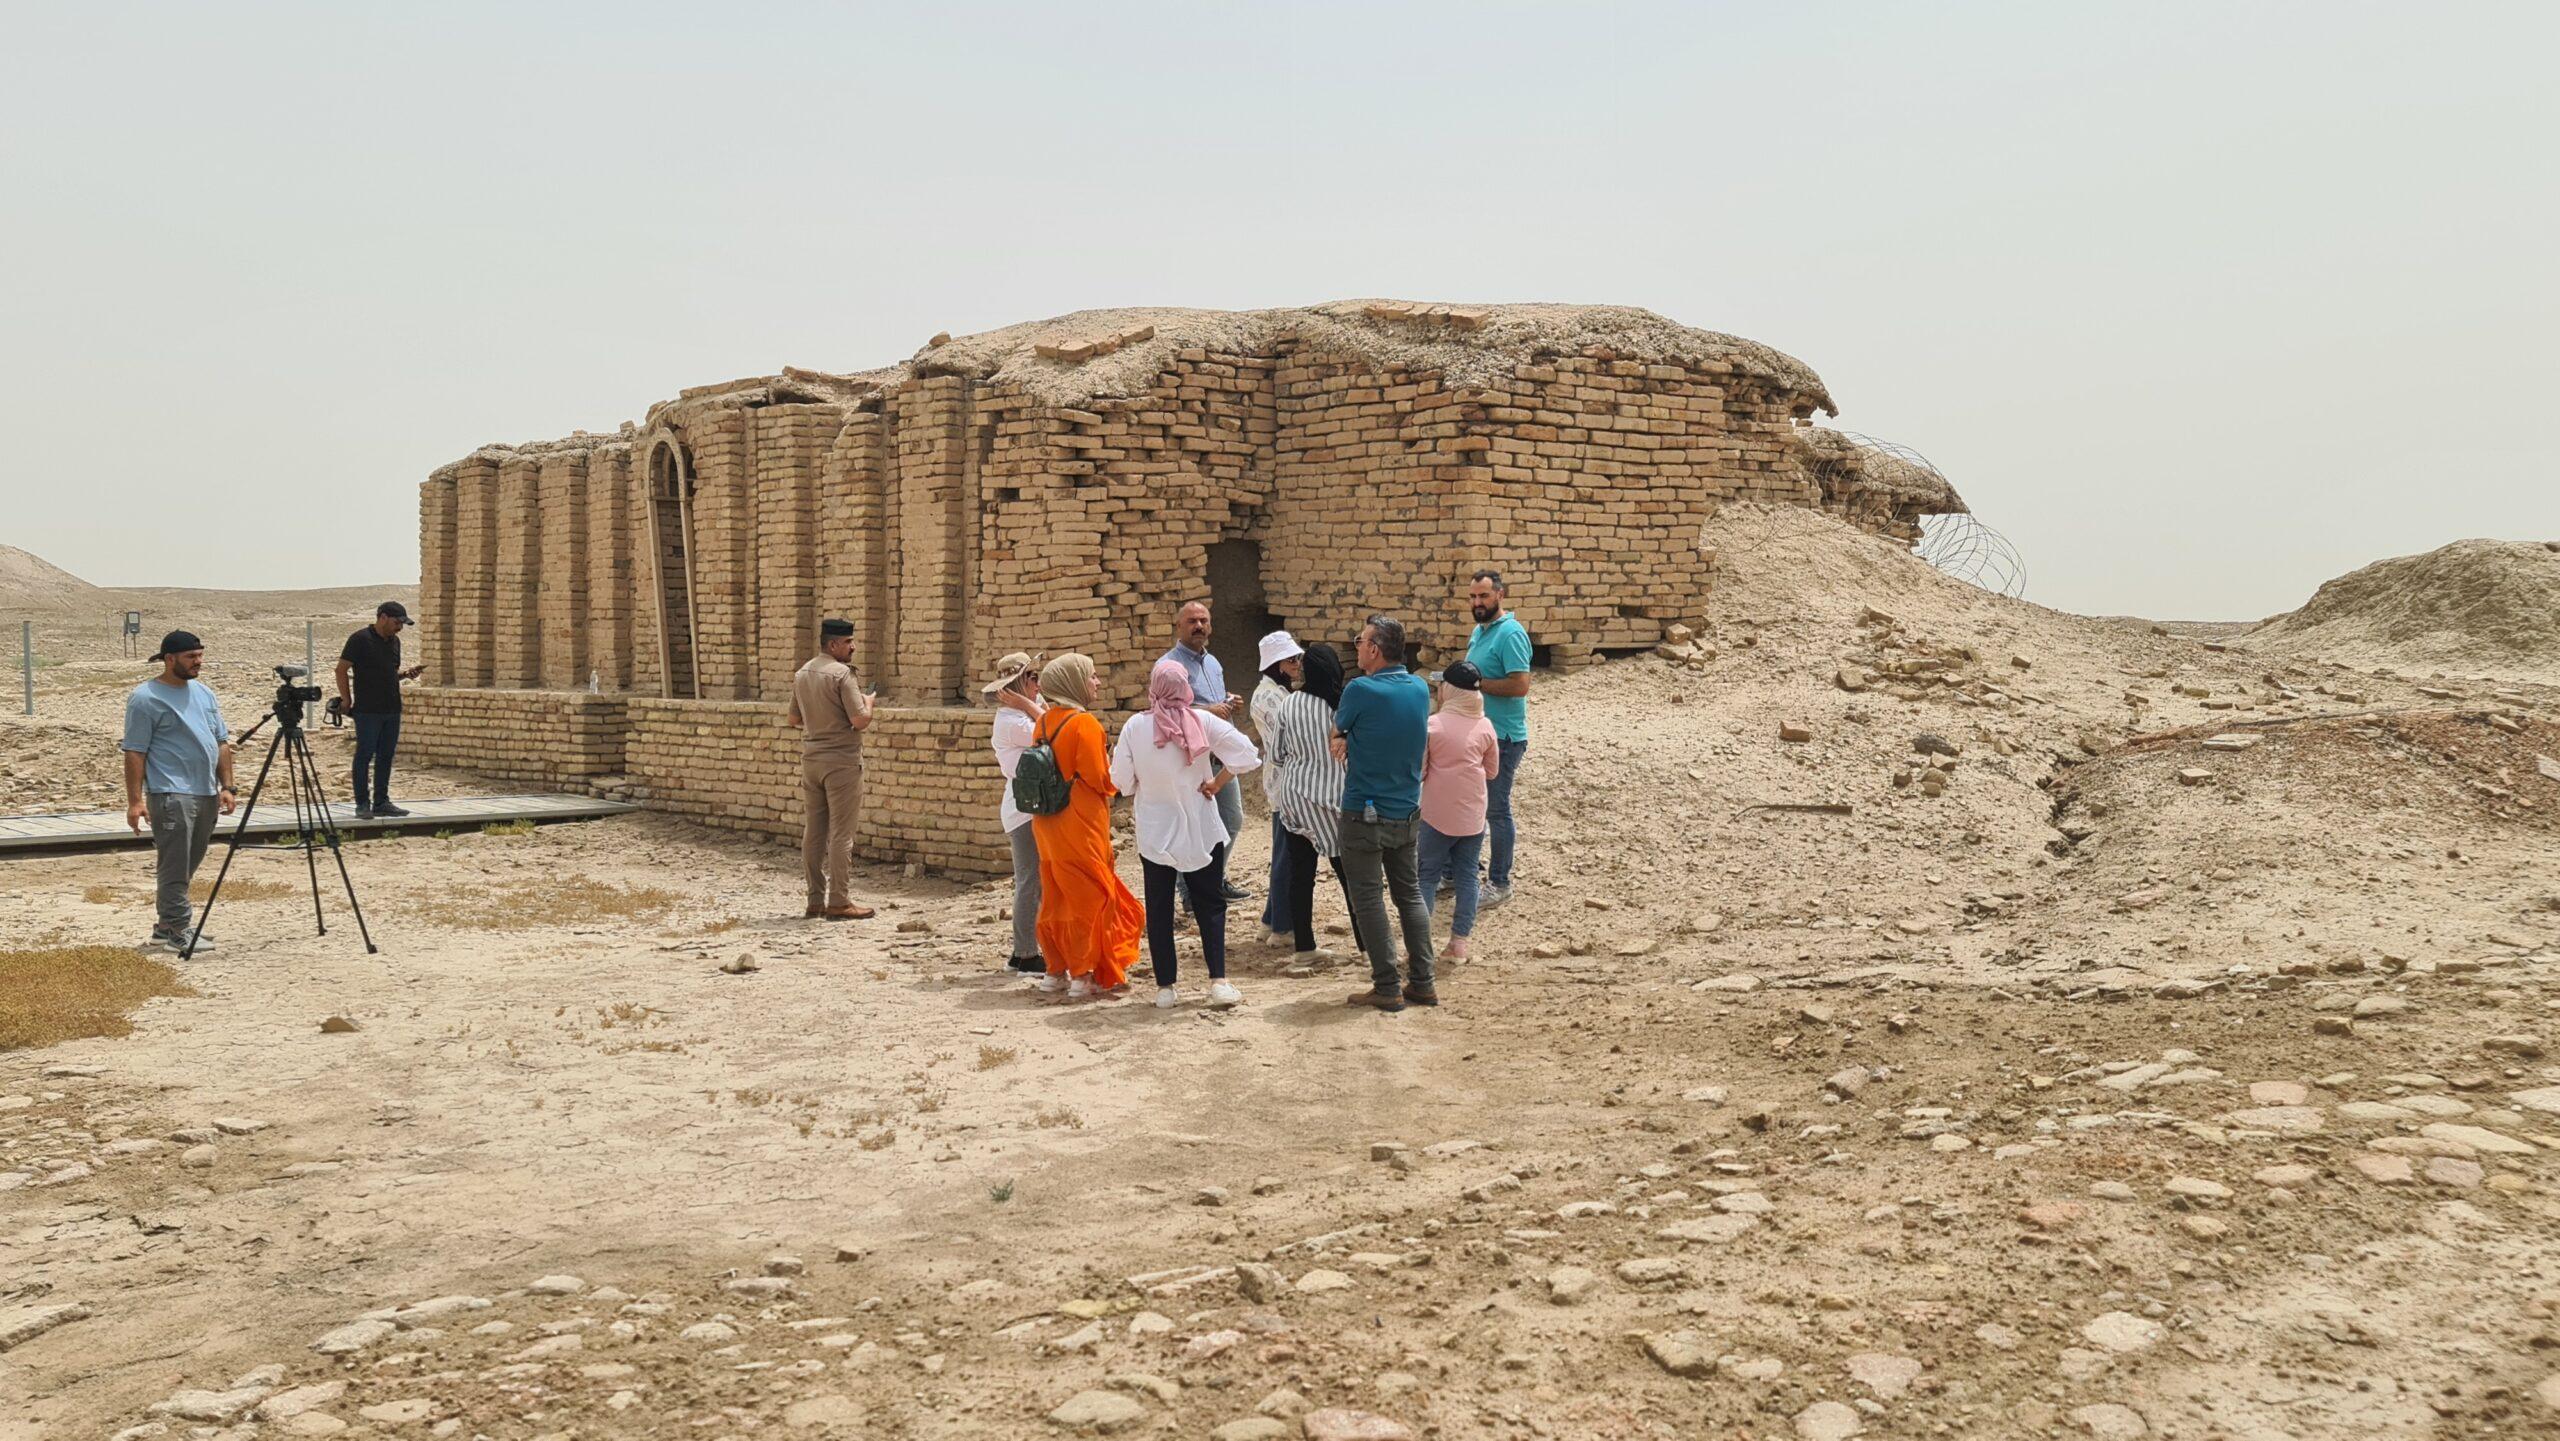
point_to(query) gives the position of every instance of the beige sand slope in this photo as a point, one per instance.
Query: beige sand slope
(2475, 607)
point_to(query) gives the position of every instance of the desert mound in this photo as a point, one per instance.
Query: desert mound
(2475, 607)
(30, 582)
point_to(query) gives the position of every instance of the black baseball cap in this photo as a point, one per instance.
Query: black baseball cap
(177, 642)
(831, 627)
(1463, 675)
(395, 610)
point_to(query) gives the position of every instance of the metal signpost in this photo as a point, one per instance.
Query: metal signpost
(27, 659)
(132, 631)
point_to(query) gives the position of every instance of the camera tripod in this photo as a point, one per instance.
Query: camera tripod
(311, 823)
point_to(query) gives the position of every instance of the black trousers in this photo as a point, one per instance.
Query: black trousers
(1302, 892)
(1208, 906)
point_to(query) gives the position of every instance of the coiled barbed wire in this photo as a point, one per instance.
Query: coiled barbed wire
(1965, 548)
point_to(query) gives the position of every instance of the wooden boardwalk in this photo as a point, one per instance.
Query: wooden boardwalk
(100, 830)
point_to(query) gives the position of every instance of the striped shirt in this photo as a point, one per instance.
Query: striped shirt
(1268, 697)
(1305, 779)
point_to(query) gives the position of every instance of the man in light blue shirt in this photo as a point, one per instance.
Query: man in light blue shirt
(1499, 647)
(1209, 693)
(177, 769)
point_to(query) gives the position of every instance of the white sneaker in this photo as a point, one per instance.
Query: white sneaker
(1492, 896)
(1223, 995)
(1167, 998)
(1080, 989)
(1050, 983)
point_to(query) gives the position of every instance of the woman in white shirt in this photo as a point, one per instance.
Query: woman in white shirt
(1167, 763)
(1016, 689)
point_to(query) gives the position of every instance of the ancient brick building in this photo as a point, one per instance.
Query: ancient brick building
(627, 609)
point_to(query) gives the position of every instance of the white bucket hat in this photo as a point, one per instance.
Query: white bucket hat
(1279, 646)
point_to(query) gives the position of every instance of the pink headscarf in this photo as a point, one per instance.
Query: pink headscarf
(1169, 703)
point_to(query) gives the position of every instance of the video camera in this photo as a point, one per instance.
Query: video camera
(291, 698)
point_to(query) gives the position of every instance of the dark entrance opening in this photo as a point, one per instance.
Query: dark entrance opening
(1238, 617)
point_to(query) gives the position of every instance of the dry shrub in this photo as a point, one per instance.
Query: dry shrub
(236, 888)
(990, 1057)
(74, 992)
(564, 901)
(518, 827)
(1051, 1117)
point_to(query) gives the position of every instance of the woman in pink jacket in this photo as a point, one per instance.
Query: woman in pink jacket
(1461, 756)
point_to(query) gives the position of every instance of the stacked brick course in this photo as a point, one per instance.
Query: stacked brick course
(1059, 486)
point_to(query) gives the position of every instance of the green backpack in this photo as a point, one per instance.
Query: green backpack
(1038, 787)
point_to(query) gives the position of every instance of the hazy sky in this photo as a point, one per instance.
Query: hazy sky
(2200, 304)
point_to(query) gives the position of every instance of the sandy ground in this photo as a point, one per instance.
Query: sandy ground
(2080, 1099)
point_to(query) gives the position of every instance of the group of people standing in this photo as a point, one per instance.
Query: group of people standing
(1365, 775)
(1359, 770)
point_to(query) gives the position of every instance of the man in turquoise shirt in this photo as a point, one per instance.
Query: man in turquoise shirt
(177, 769)
(1380, 731)
(1499, 648)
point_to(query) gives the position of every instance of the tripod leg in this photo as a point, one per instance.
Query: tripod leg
(329, 828)
(233, 849)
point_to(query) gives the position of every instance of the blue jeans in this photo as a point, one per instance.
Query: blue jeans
(1275, 911)
(1497, 813)
(377, 740)
(1436, 855)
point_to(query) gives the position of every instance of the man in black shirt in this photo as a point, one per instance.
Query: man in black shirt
(372, 659)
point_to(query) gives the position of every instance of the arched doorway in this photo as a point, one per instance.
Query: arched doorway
(671, 564)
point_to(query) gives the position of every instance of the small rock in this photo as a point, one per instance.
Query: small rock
(285, 1405)
(353, 1337)
(2196, 1188)
(209, 1405)
(1794, 731)
(1101, 1412)
(1828, 1421)
(1211, 1196)
(198, 1158)
(2110, 1422)
(399, 1413)
(1317, 1282)
(557, 1286)
(1571, 1285)
(811, 1413)
(1886, 1375)
(1682, 1353)
(1336, 1423)
(338, 1026)
(2123, 1332)
(2290, 1177)
(1251, 1428)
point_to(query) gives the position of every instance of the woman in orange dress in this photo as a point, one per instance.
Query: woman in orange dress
(1089, 923)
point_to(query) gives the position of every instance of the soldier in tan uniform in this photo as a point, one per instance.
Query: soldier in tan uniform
(829, 706)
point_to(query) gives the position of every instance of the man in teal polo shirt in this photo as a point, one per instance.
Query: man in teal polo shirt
(1380, 731)
(1499, 648)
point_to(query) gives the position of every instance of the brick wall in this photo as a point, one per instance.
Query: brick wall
(929, 780)
(954, 518)
(554, 739)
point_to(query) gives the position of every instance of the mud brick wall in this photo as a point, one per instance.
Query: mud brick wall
(515, 635)
(552, 739)
(434, 641)
(561, 618)
(1372, 472)
(475, 570)
(954, 518)
(612, 500)
(929, 523)
(723, 569)
(790, 449)
(930, 786)
(1587, 480)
